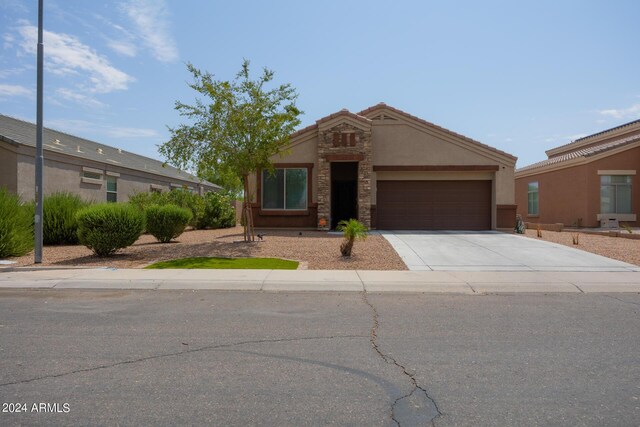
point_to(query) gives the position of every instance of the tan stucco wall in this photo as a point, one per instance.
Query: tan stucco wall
(8, 167)
(304, 151)
(402, 144)
(571, 193)
(64, 173)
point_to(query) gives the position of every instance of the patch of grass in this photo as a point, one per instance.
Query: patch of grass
(228, 263)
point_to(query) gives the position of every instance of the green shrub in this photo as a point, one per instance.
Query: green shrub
(107, 227)
(179, 197)
(167, 222)
(59, 224)
(185, 199)
(16, 225)
(144, 200)
(218, 212)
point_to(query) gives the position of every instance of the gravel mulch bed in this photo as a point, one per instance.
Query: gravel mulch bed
(627, 250)
(321, 251)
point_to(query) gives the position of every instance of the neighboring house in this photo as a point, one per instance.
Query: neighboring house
(94, 171)
(388, 169)
(590, 182)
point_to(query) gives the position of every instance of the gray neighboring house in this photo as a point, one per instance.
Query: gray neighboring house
(92, 170)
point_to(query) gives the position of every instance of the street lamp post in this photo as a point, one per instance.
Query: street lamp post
(39, 152)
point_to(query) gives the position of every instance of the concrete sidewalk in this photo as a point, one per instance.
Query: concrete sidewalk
(454, 282)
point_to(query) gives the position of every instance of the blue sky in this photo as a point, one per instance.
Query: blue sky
(522, 77)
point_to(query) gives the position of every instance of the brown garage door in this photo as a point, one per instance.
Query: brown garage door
(433, 205)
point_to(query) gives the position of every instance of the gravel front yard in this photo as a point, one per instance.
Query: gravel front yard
(627, 250)
(321, 251)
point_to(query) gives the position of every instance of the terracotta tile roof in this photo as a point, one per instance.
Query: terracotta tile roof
(303, 130)
(343, 112)
(583, 152)
(584, 138)
(382, 105)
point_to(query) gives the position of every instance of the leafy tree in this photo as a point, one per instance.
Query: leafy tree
(225, 178)
(240, 126)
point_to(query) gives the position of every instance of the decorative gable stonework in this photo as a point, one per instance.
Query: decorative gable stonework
(344, 142)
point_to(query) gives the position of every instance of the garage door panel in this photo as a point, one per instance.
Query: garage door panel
(434, 205)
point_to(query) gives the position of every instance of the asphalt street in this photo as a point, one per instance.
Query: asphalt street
(146, 357)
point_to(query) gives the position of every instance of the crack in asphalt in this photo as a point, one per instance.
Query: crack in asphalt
(176, 353)
(621, 300)
(417, 392)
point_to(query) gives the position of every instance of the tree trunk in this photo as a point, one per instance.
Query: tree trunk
(346, 246)
(246, 211)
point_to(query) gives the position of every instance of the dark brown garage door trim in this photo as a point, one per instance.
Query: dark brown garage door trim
(435, 168)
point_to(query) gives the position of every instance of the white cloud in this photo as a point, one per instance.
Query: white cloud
(123, 47)
(8, 40)
(8, 72)
(65, 54)
(80, 98)
(632, 112)
(151, 22)
(14, 90)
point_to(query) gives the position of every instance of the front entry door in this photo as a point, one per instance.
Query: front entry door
(344, 192)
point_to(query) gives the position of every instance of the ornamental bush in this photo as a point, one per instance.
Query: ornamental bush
(179, 197)
(59, 224)
(144, 200)
(108, 227)
(16, 225)
(167, 222)
(218, 212)
(186, 199)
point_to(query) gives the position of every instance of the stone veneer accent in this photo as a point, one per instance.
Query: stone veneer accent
(356, 144)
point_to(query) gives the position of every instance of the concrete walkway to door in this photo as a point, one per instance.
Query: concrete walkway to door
(492, 251)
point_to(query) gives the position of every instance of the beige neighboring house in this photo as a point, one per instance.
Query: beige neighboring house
(94, 171)
(388, 169)
(590, 182)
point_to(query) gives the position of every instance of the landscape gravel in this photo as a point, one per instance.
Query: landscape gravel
(319, 250)
(627, 250)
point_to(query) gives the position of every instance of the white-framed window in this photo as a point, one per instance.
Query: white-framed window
(615, 194)
(112, 189)
(532, 198)
(284, 189)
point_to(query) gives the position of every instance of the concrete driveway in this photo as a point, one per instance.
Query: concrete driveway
(493, 251)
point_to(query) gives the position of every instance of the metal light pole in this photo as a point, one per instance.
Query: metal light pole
(39, 154)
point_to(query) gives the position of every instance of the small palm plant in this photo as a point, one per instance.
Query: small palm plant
(352, 229)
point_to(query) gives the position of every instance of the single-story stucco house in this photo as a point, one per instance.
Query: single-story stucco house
(92, 170)
(590, 182)
(389, 170)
